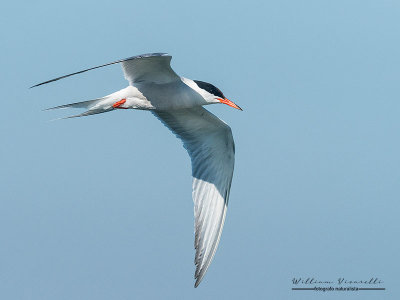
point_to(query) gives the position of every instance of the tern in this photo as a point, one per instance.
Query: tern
(178, 103)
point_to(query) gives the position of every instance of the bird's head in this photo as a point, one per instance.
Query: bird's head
(212, 94)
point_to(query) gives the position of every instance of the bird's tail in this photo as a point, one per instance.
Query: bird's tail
(95, 106)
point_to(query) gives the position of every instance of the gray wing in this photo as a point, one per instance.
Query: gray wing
(210, 145)
(151, 62)
(155, 69)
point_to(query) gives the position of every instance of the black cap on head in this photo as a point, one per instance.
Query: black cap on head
(210, 88)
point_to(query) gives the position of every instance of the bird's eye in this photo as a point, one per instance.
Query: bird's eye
(210, 88)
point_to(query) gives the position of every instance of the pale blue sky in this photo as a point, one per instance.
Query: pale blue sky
(100, 207)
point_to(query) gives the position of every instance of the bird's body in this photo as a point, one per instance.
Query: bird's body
(157, 96)
(177, 102)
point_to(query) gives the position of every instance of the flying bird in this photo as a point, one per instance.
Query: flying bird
(178, 103)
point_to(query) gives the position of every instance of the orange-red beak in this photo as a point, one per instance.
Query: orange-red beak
(229, 102)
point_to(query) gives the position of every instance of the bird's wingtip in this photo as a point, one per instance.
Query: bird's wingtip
(199, 278)
(38, 84)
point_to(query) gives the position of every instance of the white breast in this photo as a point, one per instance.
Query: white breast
(172, 95)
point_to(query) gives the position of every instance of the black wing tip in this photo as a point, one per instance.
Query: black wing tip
(114, 62)
(199, 274)
(37, 85)
(196, 284)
